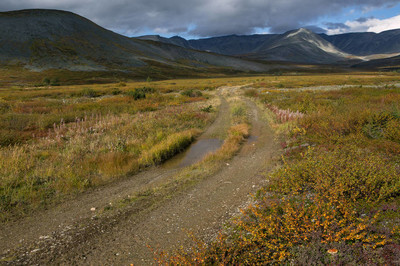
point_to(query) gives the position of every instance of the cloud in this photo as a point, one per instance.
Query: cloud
(365, 24)
(315, 29)
(200, 17)
(363, 19)
(337, 26)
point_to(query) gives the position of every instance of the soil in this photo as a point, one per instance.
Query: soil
(75, 233)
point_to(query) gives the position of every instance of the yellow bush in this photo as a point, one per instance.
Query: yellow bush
(392, 131)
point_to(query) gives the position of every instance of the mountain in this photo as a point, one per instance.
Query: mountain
(232, 44)
(175, 40)
(367, 43)
(391, 64)
(53, 39)
(300, 45)
(226, 45)
(40, 39)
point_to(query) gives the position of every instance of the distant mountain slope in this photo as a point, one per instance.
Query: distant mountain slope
(232, 44)
(392, 63)
(226, 45)
(301, 45)
(176, 40)
(304, 47)
(367, 43)
(56, 39)
(44, 39)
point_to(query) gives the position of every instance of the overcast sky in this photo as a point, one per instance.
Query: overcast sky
(202, 18)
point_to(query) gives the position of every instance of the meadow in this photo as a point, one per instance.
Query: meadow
(335, 198)
(58, 141)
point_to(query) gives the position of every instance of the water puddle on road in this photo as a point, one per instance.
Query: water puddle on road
(194, 153)
(252, 139)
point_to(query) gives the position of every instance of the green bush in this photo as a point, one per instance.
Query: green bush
(55, 82)
(46, 82)
(140, 93)
(376, 124)
(137, 94)
(49, 82)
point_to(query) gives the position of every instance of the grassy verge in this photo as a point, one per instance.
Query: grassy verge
(113, 137)
(210, 164)
(336, 197)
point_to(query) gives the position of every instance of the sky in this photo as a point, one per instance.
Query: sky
(206, 18)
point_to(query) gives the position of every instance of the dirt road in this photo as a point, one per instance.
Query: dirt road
(73, 234)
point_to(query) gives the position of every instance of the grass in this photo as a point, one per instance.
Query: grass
(69, 141)
(336, 188)
(189, 176)
(334, 199)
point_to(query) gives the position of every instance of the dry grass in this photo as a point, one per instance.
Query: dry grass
(53, 146)
(334, 203)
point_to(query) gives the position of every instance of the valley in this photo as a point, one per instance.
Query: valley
(274, 148)
(114, 217)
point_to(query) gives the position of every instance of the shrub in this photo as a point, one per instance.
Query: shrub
(147, 90)
(207, 109)
(392, 130)
(280, 85)
(238, 111)
(347, 173)
(192, 93)
(49, 82)
(376, 124)
(251, 93)
(136, 94)
(87, 92)
(4, 107)
(46, 82)
(140, 93)
(115, 91)
(55, 82)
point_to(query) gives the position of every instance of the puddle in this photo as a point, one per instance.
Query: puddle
(194, 154)
(252, 139)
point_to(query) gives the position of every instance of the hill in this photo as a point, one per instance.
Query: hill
(53, 39)
(367, 43)
(302, 46)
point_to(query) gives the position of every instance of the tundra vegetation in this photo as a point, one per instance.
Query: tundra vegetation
(335, 197)
(60, 141)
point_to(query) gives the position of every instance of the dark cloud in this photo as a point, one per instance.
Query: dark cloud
(198, 17)
(364, 19)
(334, 26)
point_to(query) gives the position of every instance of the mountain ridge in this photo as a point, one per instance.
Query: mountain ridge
(43, 39)
(355, 46)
